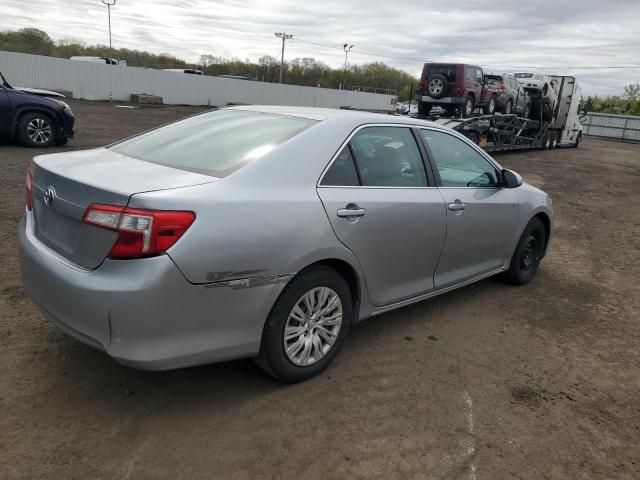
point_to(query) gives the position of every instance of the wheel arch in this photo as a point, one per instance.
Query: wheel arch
(546, 221)
(32, 109)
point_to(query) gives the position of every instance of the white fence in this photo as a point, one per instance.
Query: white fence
(616, 127)
(94, 81)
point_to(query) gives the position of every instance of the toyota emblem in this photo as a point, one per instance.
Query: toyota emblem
(49, 196)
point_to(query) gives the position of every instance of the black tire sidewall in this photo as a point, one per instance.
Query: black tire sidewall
(424, 108)
(272, 354)
(23, 136)
(515, 273)
(508, 108)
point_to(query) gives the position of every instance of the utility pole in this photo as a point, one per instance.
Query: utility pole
(347, 49)
(109, 4)
(284, 36)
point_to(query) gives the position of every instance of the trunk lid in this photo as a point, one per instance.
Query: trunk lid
(65, 184)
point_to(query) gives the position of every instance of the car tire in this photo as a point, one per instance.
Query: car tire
(490, 108)
(554, 139)
(466, 109)
(473, 136)
(36, 130)
(282, 363)
(528, 253)
(508, 108)
(424, 108)
(437, 86)
(547, 141)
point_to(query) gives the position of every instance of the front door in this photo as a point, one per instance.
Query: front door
(5, 112)
(481, 215)
(382, 206)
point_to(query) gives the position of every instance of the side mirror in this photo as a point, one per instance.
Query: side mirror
(511, 179)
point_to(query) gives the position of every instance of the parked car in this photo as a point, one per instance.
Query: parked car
(36, 118)
(103, 60)
(511, 97)
(267, 232)
(543, 90)
(190, 71)
(455, 86)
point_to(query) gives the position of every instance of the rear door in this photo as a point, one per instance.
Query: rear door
(481, 215)
(384, 207)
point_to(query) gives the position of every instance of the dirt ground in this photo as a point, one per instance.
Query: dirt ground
(488, 382)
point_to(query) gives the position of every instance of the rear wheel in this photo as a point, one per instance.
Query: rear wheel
(528, 253)
(578, 140)
(554, 139)
(508, 107)
(467, 106)
(490, 108)
(36, 130)
(306, 326)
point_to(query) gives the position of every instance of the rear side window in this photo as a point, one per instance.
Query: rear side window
(388, 157)
(449, 71)
(216, 143)
(342, 171)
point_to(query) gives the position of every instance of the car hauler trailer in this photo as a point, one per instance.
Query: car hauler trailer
(553, 125)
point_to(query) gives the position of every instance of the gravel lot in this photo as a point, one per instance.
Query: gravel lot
(488, 382)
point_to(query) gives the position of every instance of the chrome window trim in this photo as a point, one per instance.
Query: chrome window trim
(346, 142)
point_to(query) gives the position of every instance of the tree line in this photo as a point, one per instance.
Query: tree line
(627, 104)
(375, 76)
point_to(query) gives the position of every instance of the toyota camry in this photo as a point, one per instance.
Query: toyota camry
(267, 232)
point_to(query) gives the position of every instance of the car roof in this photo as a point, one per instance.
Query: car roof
(357, 117)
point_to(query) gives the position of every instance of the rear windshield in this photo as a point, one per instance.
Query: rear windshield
(215, 143)
(449, 71)
(493, 79)
(523, 75)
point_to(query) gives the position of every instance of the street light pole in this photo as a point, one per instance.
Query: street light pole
(347, 49)
(284, 36)
(109, 4)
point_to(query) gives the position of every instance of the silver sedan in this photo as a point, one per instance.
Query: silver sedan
(267, 232)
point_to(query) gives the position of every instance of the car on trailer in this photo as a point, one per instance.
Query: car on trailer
(546, 128)
(455, 87)
(511, 97)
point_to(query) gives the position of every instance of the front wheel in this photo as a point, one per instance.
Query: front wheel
(467, 107)
(508, 107)
(490, 108)
(306, 326)
(528, 253)
(36, 130)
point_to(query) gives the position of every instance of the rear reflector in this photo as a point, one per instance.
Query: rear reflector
(28, 187)
(141, 233)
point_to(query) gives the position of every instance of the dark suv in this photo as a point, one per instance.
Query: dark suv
(36, 118)
(512, 97)
(455, 86)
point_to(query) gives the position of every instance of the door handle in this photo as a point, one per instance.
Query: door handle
(351, 210)
(457, 206)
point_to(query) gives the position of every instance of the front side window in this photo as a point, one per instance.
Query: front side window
(216, 143)
(478, 75)
(458, 164)
(388, 157)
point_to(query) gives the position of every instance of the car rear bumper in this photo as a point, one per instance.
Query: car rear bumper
(443, 100)
(143, 312)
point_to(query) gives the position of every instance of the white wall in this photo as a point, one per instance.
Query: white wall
(94, 81)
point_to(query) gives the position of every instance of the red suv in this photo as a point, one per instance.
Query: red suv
(455, 86)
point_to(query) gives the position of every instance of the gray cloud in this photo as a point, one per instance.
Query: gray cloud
(564, 37)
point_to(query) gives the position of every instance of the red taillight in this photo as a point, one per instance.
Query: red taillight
(503, 88)
(141, 233)
(28, 187)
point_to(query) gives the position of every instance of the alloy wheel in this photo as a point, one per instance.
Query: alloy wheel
(39, 130)
(312, 326)
(436, 86)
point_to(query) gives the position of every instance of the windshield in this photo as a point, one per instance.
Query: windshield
(523, 75)
(215, 143)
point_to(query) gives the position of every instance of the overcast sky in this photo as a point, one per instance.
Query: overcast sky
(562, 36)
